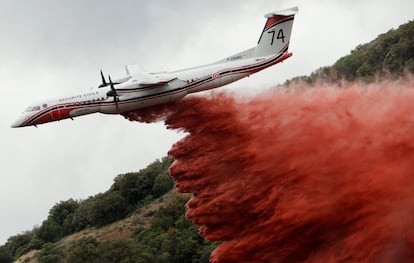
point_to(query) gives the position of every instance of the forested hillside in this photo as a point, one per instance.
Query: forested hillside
(157, 234)
(141, 218)
(390, 54)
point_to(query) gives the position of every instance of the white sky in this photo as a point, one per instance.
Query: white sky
(54, 48)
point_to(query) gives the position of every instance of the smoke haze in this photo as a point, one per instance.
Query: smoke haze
(304, 174)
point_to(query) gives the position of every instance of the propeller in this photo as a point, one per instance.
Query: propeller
(113, 93)
(104, 83)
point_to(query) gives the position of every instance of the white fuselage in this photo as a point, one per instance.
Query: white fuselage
(132, 97)
(139, 89)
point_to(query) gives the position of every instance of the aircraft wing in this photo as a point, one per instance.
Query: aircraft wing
(145, 79)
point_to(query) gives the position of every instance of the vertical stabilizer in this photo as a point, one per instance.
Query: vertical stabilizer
(275, 36)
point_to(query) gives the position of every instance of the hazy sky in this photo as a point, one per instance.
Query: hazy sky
(54, 48)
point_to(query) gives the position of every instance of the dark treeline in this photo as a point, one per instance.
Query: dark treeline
(128, 193)
(169, 238)
(390, 54)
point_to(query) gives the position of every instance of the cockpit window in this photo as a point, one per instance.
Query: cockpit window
(32, 108)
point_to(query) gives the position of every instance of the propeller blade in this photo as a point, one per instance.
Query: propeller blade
(114, 93)
(104, 84)
(111, 83)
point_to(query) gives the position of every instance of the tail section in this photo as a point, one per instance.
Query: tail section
(276, 33)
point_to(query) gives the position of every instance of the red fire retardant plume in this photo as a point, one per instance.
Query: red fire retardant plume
(305, 174)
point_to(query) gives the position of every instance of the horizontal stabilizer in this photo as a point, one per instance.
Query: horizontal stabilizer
(284, 12)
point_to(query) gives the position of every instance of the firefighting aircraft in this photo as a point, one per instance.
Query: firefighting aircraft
(139, 89)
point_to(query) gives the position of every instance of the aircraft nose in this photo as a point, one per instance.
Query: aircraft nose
(17, 123)
(14, 125)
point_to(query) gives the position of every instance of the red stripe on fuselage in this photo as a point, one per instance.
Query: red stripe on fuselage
(63, 113)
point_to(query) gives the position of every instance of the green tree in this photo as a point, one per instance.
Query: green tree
(5, 255)
(121, 250)
(205, 251)
(106, 208)
(51, 253)
(19, 244)
(63, 209)
(171, 237)
(162, 184)
(50, 231)
(64, 214)
(126, 185)
(83, 250)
